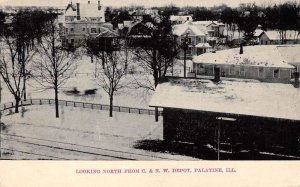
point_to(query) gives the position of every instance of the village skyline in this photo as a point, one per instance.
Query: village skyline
(121, 3)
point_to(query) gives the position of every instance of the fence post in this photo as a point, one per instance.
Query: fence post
(31, 101)
(139, 111)
(40, 102)
(129, 110)
(49, 101)
(100, 107)
(156, 114)
(119, 109)
(74, 104)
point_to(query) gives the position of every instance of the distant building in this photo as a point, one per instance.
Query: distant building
(195, 37)
(82, 21)
(180, 19)
(275, 37)
(264, 63)
(214, 28)
(139, 34)
(250, 116)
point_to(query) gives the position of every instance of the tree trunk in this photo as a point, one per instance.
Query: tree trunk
(24, 86)
(155, 69)
(17, 105)
(56, 102)
(111, 97)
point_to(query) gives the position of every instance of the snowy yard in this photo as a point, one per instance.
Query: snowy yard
(84, 79)
(83, 134)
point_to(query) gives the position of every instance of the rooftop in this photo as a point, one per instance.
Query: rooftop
(259, 55)
(275, 35)
(233, 97)
(181, 29)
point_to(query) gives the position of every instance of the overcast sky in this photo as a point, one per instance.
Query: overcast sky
(146, 3)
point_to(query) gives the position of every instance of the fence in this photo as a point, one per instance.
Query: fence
(95, 106)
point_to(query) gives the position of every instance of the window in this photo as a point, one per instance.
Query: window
(231, 70)
(189, 40)
(67, 41)
(93, 30)
(199, 40)
(276, 73)
(67, 30)
(71, 29)
(83, 29)
(242, 70)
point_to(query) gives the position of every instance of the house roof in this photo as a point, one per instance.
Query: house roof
(181, 29)
(291, 53)
(106, 33)
(258, 32)
(181, 18)
(275, 35)
(203, 45)
(259, 55)
(272, 100)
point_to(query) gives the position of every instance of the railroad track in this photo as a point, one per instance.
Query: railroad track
(57, 150)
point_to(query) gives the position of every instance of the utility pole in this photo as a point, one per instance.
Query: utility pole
(185, 46)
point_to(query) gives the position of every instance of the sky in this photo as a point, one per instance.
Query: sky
(147, 3)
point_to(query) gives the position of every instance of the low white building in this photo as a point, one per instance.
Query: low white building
(276, 37)
(269, 63)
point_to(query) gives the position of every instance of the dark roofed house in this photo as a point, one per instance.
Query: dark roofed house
(250, 116)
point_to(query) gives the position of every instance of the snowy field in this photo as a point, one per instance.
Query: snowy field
(79, 134)
(84, 79)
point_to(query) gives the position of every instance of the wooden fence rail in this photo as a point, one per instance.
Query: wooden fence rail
(94, 106)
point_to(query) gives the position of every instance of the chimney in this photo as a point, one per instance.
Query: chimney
(99, 6)
(296, 83)
(78, 11)
(241, 49)
(217, 74)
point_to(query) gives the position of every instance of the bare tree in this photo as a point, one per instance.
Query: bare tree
(112, 75)
(56, 64)
(12, 64)
(153, 44)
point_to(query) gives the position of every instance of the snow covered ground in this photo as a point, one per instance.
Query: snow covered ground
(83, 79)
(83, 134)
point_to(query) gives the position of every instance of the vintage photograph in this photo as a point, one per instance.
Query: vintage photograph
(133, 80)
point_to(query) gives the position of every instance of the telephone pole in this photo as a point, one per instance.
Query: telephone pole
(185, 46)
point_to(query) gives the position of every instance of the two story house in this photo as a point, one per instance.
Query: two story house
(82, 21)
(195, 39)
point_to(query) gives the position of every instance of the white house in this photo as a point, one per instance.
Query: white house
(277, 37)
(195, 37)
(83, 20)
(269, 63)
